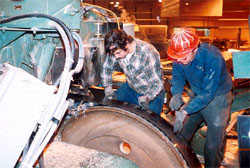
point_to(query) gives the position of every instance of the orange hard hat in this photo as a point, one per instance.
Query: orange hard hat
(182, 43)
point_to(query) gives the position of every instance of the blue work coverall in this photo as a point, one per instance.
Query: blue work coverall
(211, 85)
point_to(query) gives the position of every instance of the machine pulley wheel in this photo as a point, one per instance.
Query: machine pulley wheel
(132, 133)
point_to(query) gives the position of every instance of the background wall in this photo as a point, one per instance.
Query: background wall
(231, 17)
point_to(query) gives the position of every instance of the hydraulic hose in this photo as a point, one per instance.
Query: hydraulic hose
(58, 105)
(41, 15)
(80, 62)
(47, 126)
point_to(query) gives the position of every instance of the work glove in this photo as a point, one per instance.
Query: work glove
(180, 117)
(176, 102)
(109, 93)
(143, 102)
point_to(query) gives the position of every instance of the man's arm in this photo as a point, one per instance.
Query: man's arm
(153, 73)
(178, 80)
(210, 84)
(107, 70)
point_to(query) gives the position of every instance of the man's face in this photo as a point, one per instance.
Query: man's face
(188, 58)
(120, 54)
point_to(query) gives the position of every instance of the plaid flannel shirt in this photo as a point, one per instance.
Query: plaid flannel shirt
(143, 72)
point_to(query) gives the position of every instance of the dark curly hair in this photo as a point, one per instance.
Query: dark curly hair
(117, 38)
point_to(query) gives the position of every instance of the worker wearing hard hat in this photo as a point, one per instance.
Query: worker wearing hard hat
(140, 62)
(204, 68)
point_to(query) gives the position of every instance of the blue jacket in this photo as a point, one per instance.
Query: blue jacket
(206, 74)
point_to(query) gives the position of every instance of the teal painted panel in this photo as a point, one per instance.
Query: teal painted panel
(241, 64)
(6, 37)
(241, 101)
(65, 10)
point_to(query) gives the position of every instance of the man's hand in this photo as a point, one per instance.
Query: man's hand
(143, 102)
(176, 102)
(180, 117)
(109, 93)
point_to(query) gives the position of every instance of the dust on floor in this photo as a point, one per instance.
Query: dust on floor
(63, 155)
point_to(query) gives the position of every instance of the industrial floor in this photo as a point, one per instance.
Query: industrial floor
(231, 157)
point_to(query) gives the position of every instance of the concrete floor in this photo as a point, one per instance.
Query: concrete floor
(231, 157)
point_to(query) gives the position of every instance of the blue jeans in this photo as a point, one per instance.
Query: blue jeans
(216, 116)
(127, 94)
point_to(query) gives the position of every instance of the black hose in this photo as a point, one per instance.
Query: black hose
(65, 28)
